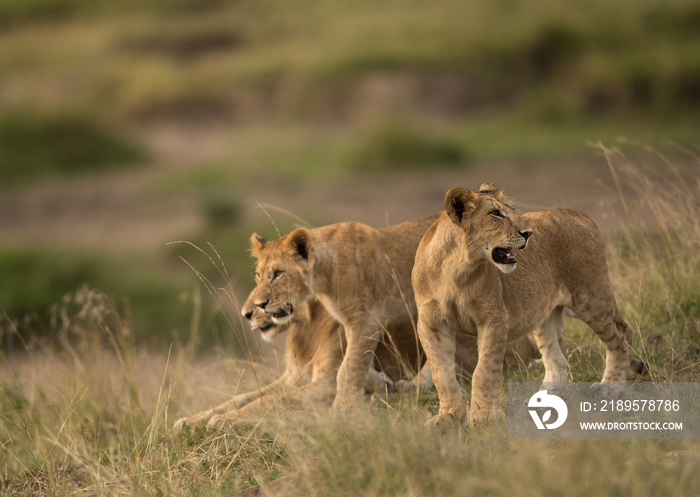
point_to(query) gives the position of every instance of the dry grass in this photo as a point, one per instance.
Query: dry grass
(94, 416)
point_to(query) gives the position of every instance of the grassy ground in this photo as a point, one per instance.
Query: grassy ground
(127, 125)
(94, 415)
(359, 110)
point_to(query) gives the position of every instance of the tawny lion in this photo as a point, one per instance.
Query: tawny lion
(466, 282)
(361, 275)
(316, 341)
(313, 353)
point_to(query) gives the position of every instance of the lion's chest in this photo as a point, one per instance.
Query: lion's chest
(514, 317)
(459, 316)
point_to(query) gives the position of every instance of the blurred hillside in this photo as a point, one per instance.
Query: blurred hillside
(347, 62)
(127, 125)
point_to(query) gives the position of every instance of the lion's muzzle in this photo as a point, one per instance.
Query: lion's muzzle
(261, 328)
(526, 236)
(282, 312)
(503, 255)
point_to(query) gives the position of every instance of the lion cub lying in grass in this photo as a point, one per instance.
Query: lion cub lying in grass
(466, 282)
(313, 354)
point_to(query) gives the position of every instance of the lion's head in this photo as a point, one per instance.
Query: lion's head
(261, 321)
(492, 227)
(282, 275)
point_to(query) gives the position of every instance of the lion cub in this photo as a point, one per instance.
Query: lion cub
(361, 275)
(313, 353)
(466, 282)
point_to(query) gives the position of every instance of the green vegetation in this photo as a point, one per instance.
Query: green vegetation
(34, 145)
(227, 97)
(251, 59)
(67, 429)
(399, 147)
(36, 279)
(159, 304)
(221, 254)
(221, 212)
(15, 13)
(457, 82)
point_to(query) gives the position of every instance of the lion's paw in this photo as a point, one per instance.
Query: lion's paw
(182, 424)
(483, 417)
(443, 423)
(403, 386)
(216, 422)
(349, 401)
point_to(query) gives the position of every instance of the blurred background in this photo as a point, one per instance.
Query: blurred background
(128, 125)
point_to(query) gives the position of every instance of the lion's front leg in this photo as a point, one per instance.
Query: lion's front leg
(353, 370)
(377, 382)
(487, 378)
(256, 409)
(318, 394)
(233, 404)
(440, 346)
(194, 419)
(206, 415)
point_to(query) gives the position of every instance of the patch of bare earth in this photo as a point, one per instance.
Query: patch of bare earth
(127, 211)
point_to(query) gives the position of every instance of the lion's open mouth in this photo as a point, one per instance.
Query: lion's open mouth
(282, 312)
(502, 255)
(262, 328)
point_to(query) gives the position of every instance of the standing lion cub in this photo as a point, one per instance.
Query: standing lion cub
(466, 282)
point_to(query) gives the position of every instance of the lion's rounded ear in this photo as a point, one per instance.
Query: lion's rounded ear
(257, 243)
(460, 202)
(492, 189)
(300, 243)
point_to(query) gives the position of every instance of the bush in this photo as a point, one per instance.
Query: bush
(398, 147)
(19, 12)
(221, 212)
(35, 279)
(33, 145)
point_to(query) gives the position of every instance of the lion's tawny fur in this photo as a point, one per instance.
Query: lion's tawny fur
(461, 288)
(362, 276)
(313, 352)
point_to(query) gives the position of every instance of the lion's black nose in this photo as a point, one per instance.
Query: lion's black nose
(525, 234)
(248, 315)
(262, 304)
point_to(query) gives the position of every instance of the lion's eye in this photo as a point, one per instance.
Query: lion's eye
(276, 274)
(496, 213)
